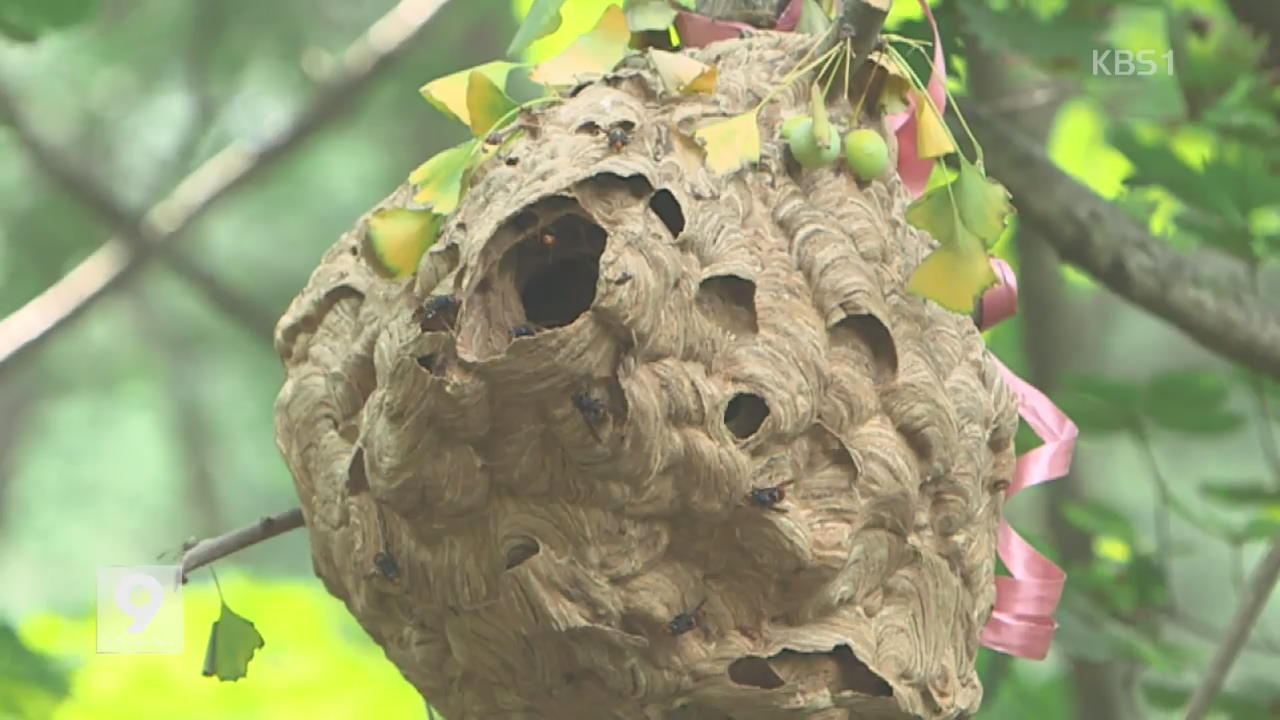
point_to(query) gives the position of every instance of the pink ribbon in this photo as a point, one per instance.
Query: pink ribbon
(1021, 623)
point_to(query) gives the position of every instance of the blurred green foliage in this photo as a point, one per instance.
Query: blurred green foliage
(149, 420)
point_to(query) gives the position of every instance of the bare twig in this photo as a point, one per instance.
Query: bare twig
(1252, 600)
(109, 266)
(1208, 297)
(206, 551)
(134, 234)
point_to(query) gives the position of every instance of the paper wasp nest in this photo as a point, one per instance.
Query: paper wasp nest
(539, 502)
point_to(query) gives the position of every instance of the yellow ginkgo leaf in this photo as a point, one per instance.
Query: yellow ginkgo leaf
(682, 74)
(449, 93)
(957, 272)
(398, 237)
(891, 83)
(732, 143)
(593, 53)
(932, 138)
(440, 178)
(486, 104)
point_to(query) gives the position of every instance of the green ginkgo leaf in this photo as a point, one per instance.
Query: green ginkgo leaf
(592, 53)
(983, 203)
(451, 93)
(440, 179)
(232, 642)
(957, 272)
(732, 143)
(543, 19)
(486, 104)
(398, 237)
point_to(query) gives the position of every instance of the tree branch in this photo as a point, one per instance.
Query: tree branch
(136, 235)
(206, 551)
(1216, 306)
(115, 262)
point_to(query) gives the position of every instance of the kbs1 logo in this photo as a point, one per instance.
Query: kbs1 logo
(1126, 63)
(140, 609)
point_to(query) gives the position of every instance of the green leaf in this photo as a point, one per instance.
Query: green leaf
(1259, 530)
(1237, 494)
(31, 684)
(487, 105)
(27, 20)
(813, 20)
(398, 237)
(440, 179)
(957, 272)
(1098, 519)
(592, 53)
(732, 143)
(543, 19)
(232, 642)
(450, 94)
(1190, 401)
(983, 203)
(646, 15)
(1166, 697)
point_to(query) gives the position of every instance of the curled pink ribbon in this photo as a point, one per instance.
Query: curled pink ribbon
(1021, 623)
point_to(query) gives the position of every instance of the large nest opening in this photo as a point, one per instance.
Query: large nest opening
(555, 268)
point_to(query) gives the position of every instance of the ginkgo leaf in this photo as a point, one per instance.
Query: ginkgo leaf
(398, 237)
(957, 272)
(731, 143)
(232, 642)
(682, 74)
(486, 104)
(983, 203)
(543, 19)
(813, 19)
(932, 138)
(440, 178)
(894, 84)
(593, 52)
(449, 93)
(643, 15)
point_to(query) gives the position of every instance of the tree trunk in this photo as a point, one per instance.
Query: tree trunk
(541, 505)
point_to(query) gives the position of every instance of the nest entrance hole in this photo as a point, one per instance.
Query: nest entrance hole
(667, 208)
(744, 414)
(868, 331)
(556, 268)
(518, 550)
(730, 302)
(770, 673)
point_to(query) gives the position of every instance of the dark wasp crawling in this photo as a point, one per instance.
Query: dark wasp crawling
(594, 412)
(769, 497)
(686, 621)
(618, 139)
(442, 307)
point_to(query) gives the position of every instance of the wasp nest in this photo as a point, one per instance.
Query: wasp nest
(640, 441)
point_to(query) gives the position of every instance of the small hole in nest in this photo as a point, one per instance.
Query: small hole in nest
(637, 186)
(429, 362)
(754, 671)
(519, 549)
(744, 414)
(730, 301)
(511, 161)
(588, 128)
(856, 676)
(868, 331)
(667, 208)
(556, 270)
(357, 479)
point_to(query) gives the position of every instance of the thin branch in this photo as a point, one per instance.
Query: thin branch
(1252, 601)
(208, 550)
(1209, 298)
(130, 230)
(114, 263)
(1205, 631)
